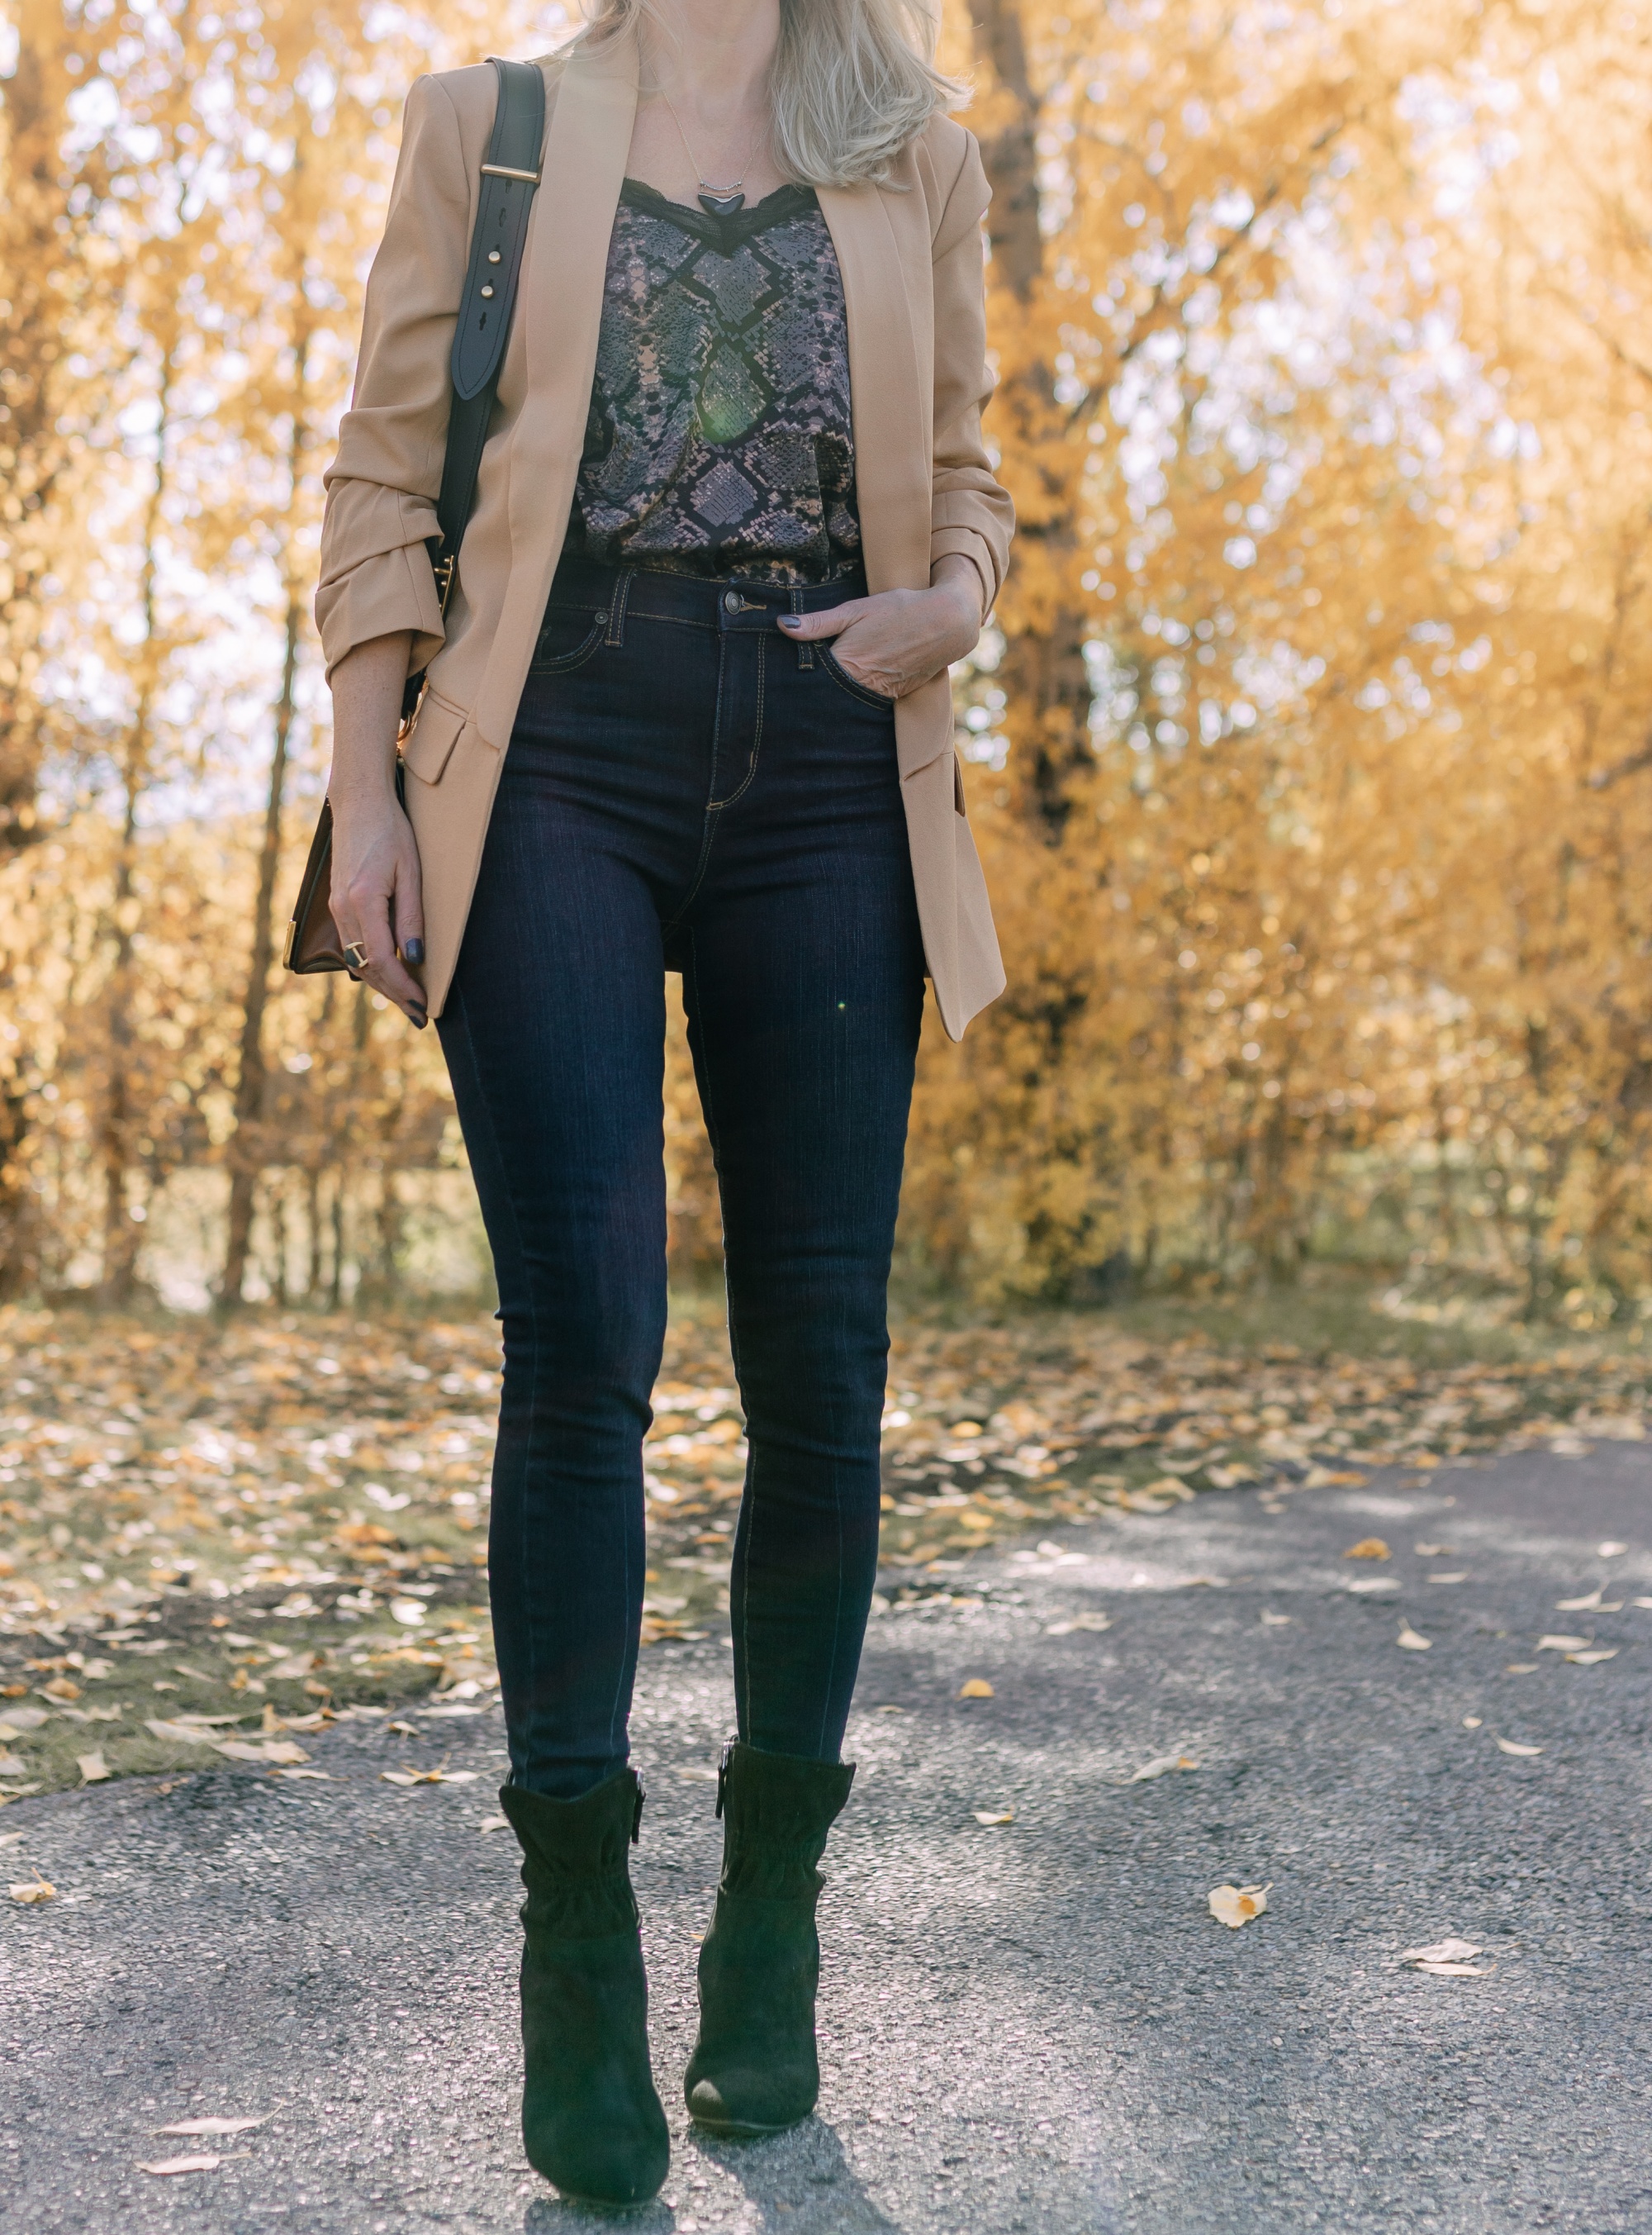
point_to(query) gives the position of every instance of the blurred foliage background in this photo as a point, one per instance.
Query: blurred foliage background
(1311, 745)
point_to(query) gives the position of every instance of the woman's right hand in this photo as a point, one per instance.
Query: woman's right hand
(376, 895)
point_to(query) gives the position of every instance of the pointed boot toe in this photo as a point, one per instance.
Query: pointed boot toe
(744, 2103)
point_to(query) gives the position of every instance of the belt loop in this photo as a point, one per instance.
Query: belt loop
(617, 611)
(805, 651)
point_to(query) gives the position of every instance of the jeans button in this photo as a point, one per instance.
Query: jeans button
(731, 601)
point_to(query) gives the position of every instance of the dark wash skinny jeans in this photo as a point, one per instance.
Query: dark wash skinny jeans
(686, 789)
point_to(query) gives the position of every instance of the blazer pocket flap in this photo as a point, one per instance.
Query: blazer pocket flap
(923, 726)
(430, 742)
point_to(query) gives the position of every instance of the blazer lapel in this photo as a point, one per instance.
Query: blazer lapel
(560, 307)
(892, 401)
(887, 389)
(586, 149)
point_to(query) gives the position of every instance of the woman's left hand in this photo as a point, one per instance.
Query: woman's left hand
(899, 639)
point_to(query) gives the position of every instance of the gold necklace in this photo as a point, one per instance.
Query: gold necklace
(716, 201)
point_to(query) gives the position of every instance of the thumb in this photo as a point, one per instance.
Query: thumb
(806, 627)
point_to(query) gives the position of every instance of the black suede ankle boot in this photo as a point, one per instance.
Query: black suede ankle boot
(592, 2120)
(754, 2070)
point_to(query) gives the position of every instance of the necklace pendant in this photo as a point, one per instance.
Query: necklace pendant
(722, 205)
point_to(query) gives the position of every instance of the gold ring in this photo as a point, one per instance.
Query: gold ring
(356, 953)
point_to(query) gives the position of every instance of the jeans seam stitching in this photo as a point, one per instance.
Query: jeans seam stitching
(745, 783)
(835, 669)
(569, 661)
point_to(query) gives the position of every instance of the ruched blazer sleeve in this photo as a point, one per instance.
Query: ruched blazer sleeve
(381, 487)
(968, 512)
(912, 257)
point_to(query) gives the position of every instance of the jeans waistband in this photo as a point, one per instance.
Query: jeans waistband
(630, 593)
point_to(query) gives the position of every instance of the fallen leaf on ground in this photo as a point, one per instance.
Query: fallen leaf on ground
(1433, 1551)
(975, 1688)
(1368, 1548)
(270, 1750)
(18, 1717)
(93, 1767)
(319, 1775)
(1521, 1669)
(1275, 1620)
(428, 1776)
(12, 1838)
(494, 1824)
(37, 1888)
(1599, 1653)
(1509, 1746)
(212, 2125)
(1447, 1959)
(1472, 1722)
(1080, 1621)
(1610, 1551)
(12, 1765)
(181, 2165)
(1237, 1905)
(1373, 1583)
(178, 1733)
(1588, 1604)
(1460, 1576)
(1641, 1602)
(994, 1815)
(1442, 1951)
(1162, 1766)
(1556, 1643)
(1409, 1639)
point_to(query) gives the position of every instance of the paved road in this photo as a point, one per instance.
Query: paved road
(1036, 2026)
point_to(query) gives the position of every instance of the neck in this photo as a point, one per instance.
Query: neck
(712, 55)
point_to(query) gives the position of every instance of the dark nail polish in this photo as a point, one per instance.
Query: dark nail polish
(419, 1017)
(791, 621)
(413, 952)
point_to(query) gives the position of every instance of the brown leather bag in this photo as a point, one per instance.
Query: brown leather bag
(313, 942)
(509, 177)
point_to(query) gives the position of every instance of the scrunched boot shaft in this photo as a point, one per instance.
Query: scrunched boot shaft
(591, 2121)
(754, 2069)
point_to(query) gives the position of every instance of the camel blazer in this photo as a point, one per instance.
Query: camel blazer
(911, 264)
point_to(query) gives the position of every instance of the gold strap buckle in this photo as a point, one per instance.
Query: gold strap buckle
(504, 171)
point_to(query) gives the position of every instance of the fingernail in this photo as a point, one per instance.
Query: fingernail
(413, 952)
(791, 620)
(419, 1017)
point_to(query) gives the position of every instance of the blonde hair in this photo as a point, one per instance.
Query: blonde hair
(851, 81)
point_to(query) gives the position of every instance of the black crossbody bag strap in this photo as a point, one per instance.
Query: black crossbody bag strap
(509, 177)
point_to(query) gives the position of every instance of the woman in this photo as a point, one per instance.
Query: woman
(687, 710)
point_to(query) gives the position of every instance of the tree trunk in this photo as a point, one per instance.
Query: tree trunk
(121, 1233)
(1042, 673)
(246, 1142)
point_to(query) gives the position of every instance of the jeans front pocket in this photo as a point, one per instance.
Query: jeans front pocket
(568, 636)
(840, 675)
